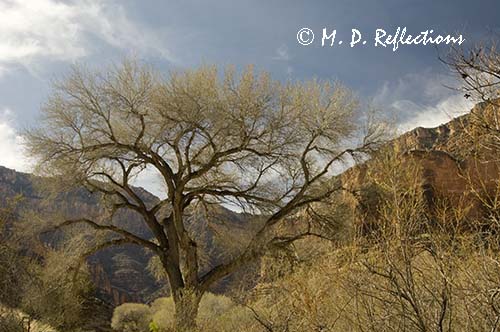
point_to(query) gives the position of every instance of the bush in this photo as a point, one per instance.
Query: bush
(14, 320)
(10, 321)
(56, 296)
(163, 310)
(131, 317)
(216, 313)
(212, 306)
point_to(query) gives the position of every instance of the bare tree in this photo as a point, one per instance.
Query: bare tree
(479, 70)
(246, 141)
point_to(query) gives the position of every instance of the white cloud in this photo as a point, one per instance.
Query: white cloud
(12, 155)
(151, 180)
(34, 30)
(422, 100)
(282, 54)
(434, 115)
(11, 145)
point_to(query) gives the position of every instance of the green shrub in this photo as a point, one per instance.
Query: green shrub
(163, 310)
(56, 296)
(131, 317)
(216, 313)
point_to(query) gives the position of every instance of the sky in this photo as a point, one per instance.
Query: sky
(41, 39)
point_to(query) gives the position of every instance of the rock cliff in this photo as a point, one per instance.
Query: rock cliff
(453, 163)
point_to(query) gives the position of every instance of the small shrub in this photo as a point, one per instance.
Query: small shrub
(216, 313)
(131, 317)
(163, 310)
(10, 322)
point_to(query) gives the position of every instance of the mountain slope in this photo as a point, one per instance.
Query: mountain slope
(121, 274)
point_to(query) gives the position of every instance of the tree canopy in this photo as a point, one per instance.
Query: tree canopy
(243, 140)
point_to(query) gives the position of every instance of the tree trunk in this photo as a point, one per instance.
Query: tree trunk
(186, 309)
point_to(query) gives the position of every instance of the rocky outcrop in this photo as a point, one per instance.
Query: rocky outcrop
(453, 165)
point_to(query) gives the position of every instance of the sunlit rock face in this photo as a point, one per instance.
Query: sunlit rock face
(454, 167)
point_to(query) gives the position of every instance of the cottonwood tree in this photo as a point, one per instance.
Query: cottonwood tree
(242, 140)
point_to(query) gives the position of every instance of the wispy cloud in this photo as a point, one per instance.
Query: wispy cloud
(11, 144)
(151, 180)
(282, 53)
(13, 155)
(421, 100)
(37, 30)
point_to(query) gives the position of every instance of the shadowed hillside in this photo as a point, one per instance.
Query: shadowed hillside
(120, 274)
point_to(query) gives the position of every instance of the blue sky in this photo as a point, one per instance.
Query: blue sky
(40, 39)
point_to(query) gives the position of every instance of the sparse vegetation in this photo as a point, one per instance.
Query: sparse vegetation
(131, 317)
(37, 290)
(216, 313)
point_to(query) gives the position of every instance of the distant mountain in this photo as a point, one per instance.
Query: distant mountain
(120, 274)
